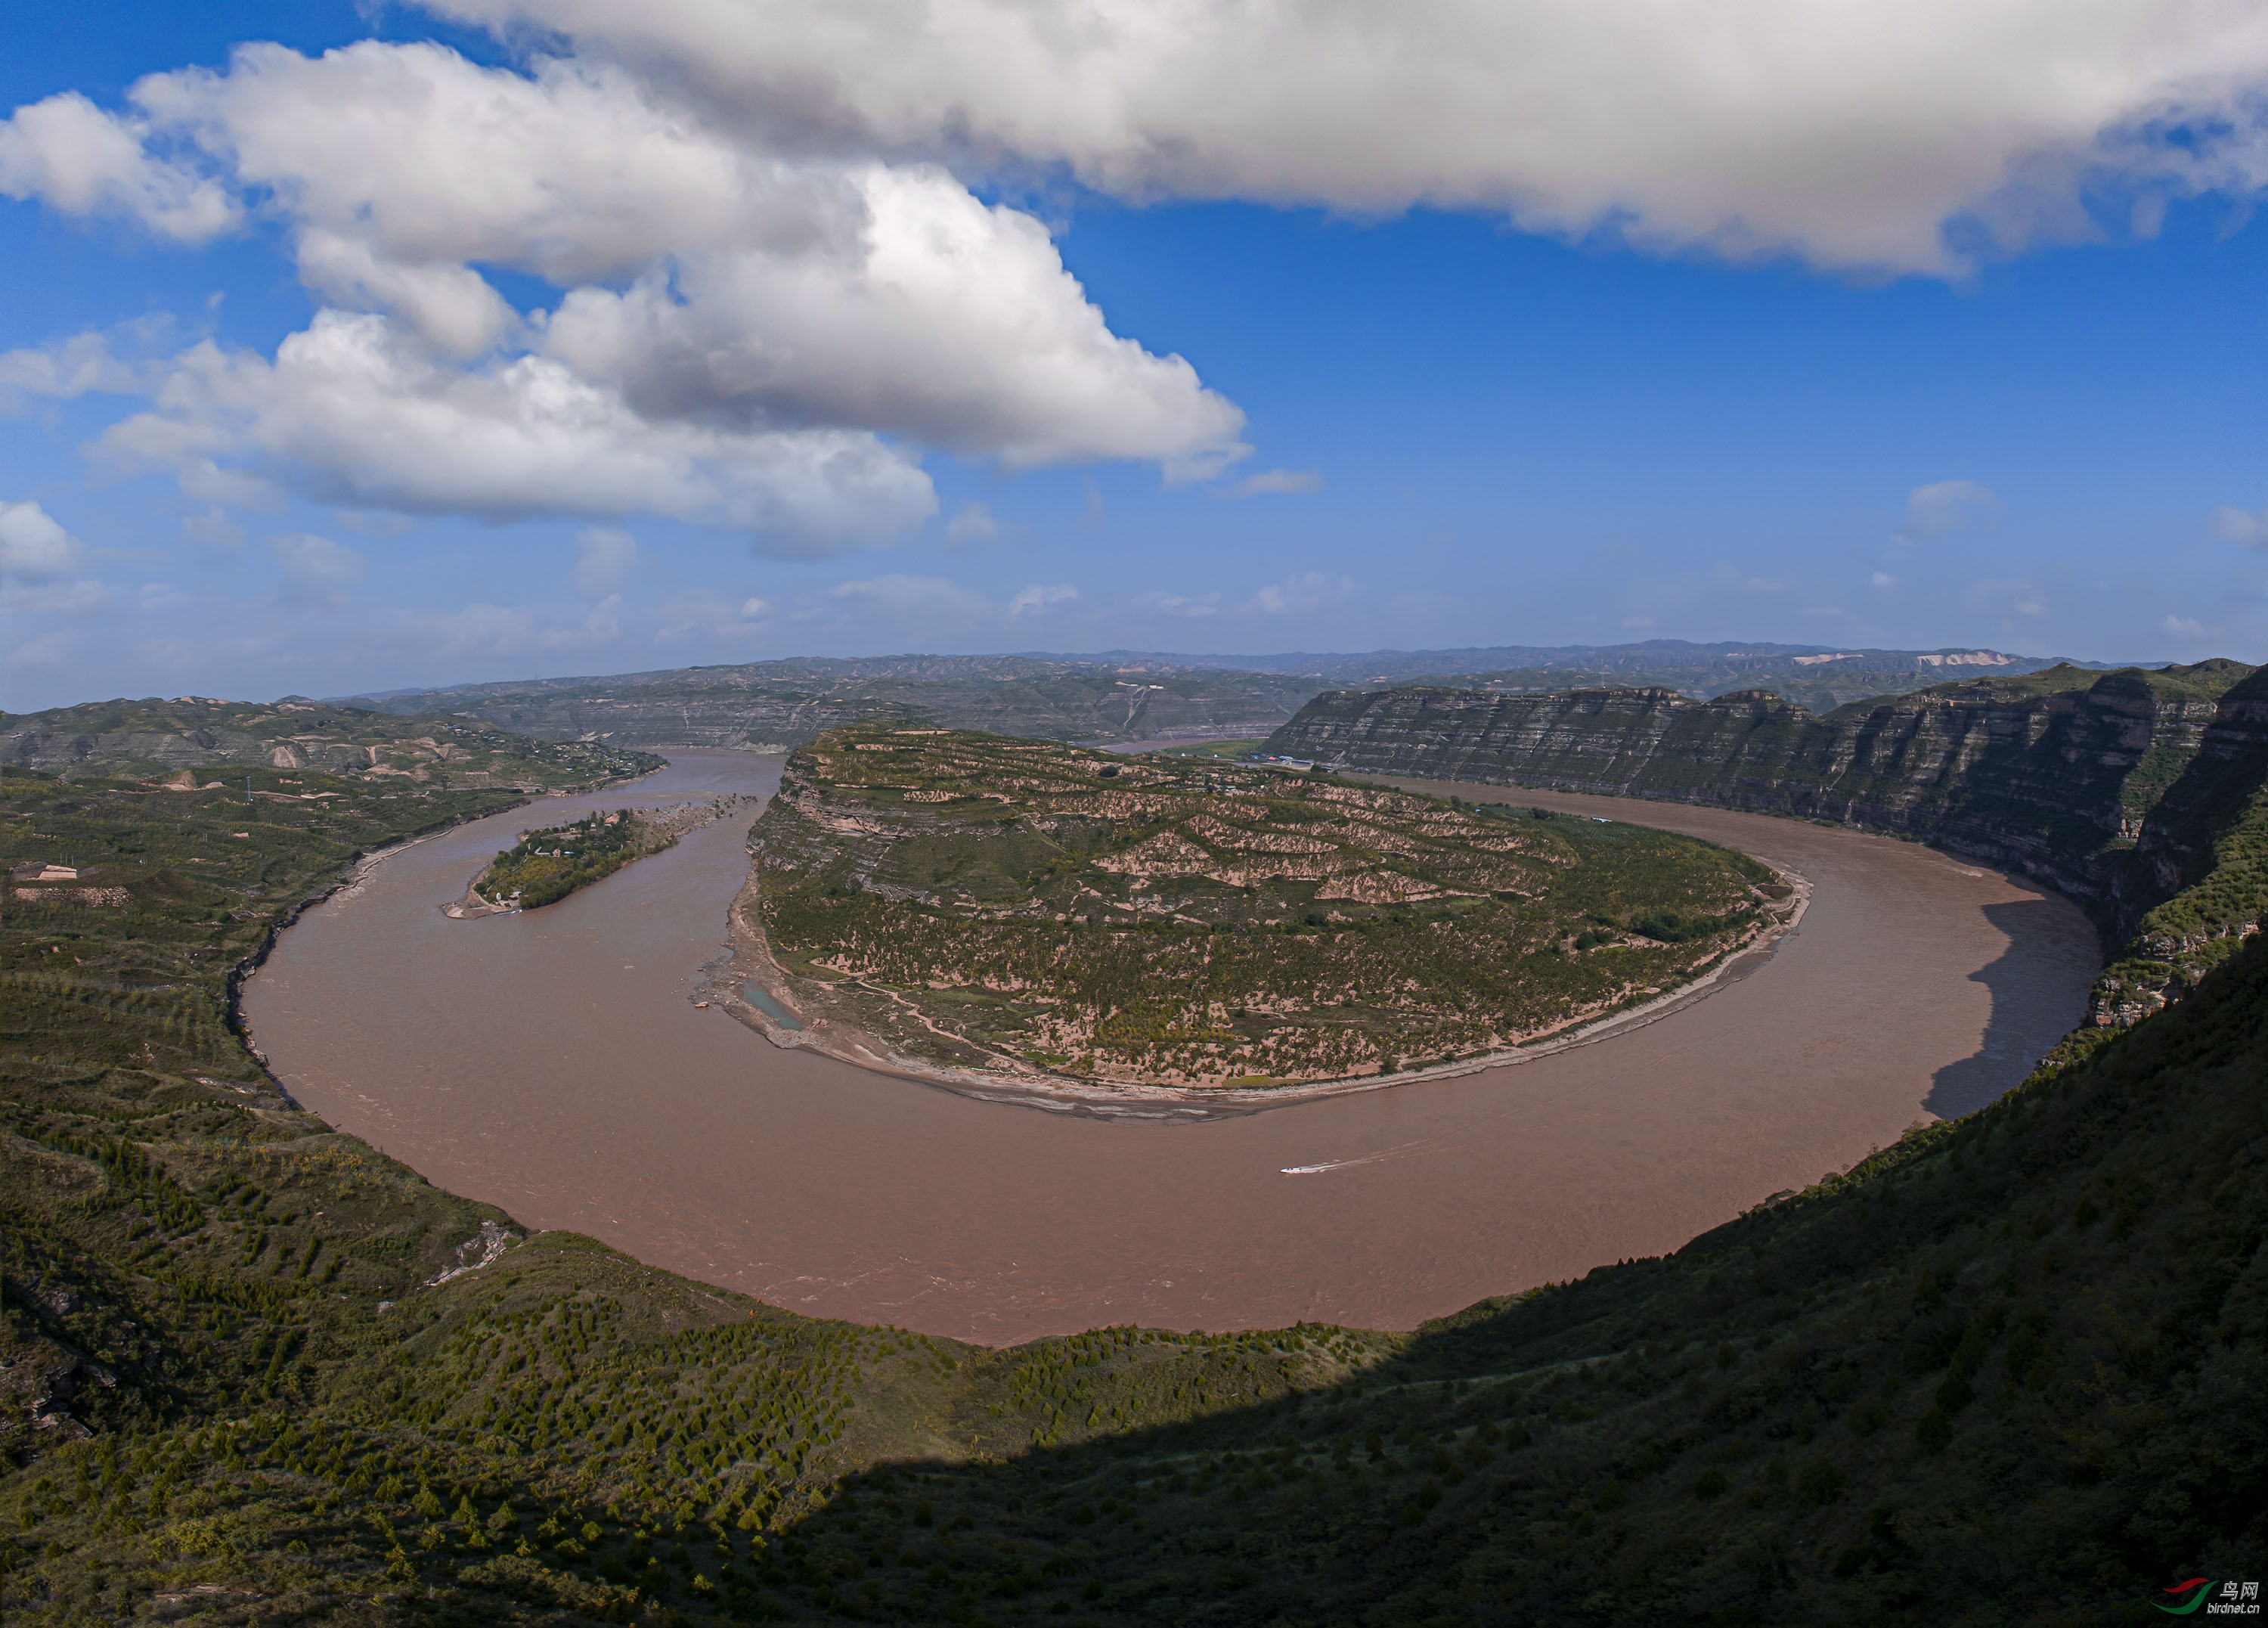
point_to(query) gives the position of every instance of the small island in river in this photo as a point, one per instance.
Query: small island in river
(1029, 912)
(546, 864)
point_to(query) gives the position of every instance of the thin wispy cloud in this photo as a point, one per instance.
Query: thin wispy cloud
(1276, 483)
(315, 570)
(605, 557)
(1941, 507)
(971, 524)
(2231, 524)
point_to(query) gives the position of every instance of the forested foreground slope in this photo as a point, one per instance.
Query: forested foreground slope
(2007, 1371)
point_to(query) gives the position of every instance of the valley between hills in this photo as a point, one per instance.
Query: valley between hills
(2002, 1371)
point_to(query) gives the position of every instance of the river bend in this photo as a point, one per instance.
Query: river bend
(553, 1064)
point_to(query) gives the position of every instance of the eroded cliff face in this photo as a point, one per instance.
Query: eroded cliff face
(2196, 887)
(2130, 792)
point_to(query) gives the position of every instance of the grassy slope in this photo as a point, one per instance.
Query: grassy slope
(2005, 1371)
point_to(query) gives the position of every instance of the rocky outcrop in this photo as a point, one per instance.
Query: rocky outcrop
(2137, 793)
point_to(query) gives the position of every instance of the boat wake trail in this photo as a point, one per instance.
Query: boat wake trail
(1401, 1150)
(1427, 1143)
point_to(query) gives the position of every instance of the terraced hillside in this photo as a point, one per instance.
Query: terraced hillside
(171, 737)
(1013, 905)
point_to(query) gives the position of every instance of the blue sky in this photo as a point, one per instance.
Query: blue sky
(310, 380)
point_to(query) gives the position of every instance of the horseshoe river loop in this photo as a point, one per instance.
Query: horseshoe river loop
(553, 1063)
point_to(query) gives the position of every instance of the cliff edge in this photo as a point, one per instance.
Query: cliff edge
(2139, 793)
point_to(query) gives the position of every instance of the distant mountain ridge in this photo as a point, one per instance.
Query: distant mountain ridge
(779, 705)
(1819, 676)
(103, 737)
(1127, 695)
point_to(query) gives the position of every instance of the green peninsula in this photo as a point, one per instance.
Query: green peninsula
(1008, 905)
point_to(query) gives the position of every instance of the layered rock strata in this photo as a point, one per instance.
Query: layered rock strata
(2127, 791)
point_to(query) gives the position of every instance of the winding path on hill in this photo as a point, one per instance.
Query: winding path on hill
(553, 1063)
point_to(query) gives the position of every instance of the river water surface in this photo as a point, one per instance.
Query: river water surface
(553, 1063)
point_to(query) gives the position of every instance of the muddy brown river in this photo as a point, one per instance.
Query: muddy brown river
(553, 1063)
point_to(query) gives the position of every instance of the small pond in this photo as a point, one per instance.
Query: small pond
(770, 1007)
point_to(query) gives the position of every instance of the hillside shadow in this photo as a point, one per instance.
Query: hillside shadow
(2029, 994)
(1392, 1498)
(1214, 1519)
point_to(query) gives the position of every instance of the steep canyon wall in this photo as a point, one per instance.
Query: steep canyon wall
(2138, 793)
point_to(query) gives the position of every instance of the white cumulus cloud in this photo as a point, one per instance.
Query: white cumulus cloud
(738, 319)
(33, 545)
(77, 158)
(1849, 134)
(972, 523)
(350, 412)
(38, 560)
